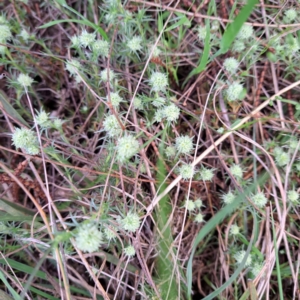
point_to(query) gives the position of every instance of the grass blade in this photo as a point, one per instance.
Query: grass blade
(9, 287)
(233, 28)
(213, 222)
(164, 263)
(205, 55)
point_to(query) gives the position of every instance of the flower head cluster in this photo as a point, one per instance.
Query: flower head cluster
(131, 222)
(138, 103)
(206, 174)
(292, 45)
(186, 171)
(259, 200)
(86, 39)
(42, 119)
(201, 33)
(293, 143)
(239, 256)
(110, 233)
(170, 151)
(3, 19)
(245, 32)
(75, 41)
(110, 17)
(184, 144)
(159, 115)
(199, 218)
(115, 99)
(126, 148)
(100, 48)
(231, 65)
(198, 203)
(282, 158)
(293, 197)
(135, 44)
(236, 171)
(57, 123)
(234, 229)
(256, 268)
(24, 35)
(228, 198)
(112, 126)
(73, 66)
(159, 101)
(24, 80)
(238, 46)
(290, 15)
(88, 237)
(234, 91)
(190, 205)
(5, 33)
(104, 77)
(171, 112)
(158, 81)
(156, 52)
(129, 251)
(27, 140)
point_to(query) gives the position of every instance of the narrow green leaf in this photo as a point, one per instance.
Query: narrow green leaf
(164, 262)
(183, 20)
(22, 267)
(233, 28)
(213, 222)
(237, 272)
(4, 102)
(205, 55)
(43, 294)
(9, 287)
(278, 271)
(14, 209)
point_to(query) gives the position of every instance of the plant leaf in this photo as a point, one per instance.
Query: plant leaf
(233, 28)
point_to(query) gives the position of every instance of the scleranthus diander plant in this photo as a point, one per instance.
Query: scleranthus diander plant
(107, 73)
(231, 65)
(112, 126)
(206, 174)
(234, 91)
(27, 140)
(184, 144)
(239, 256)
(127, 147)
(131, 222)
(158, 81)
(135, 44)
(259, 200)
(190, 205)
(199, 218)
(100, 48)
(88, 237)
(25, 80)
(87, 39)
(42, 119)
(186, 171)
(129, 251)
